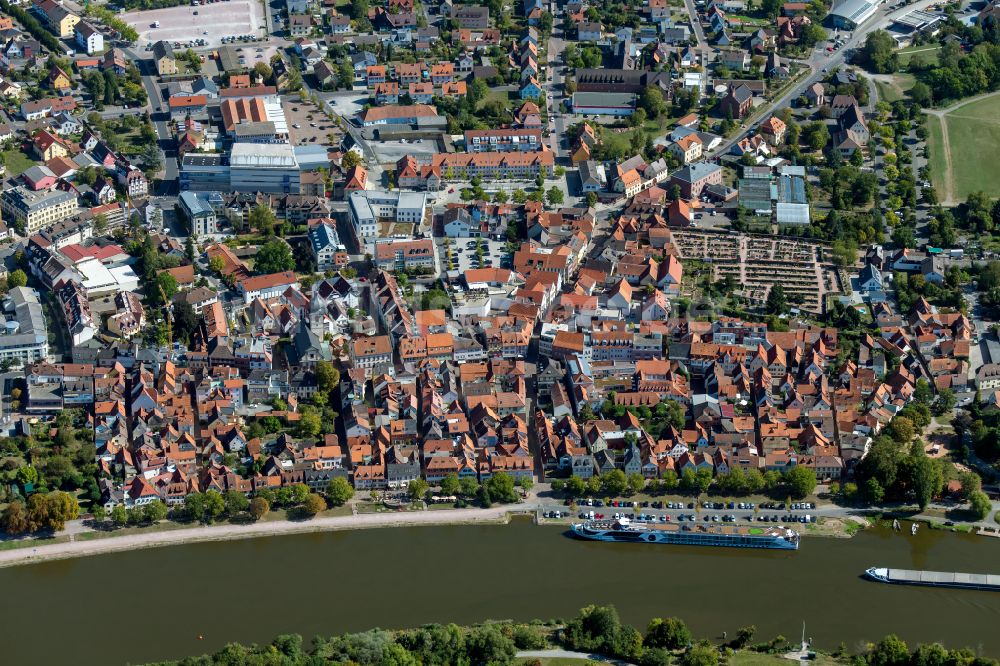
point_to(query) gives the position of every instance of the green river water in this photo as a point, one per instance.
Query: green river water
(153, 604)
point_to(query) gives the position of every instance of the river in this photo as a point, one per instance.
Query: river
(153, 604)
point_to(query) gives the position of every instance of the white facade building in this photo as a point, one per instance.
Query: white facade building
(264, 167)
(367, 207)
(24, 337)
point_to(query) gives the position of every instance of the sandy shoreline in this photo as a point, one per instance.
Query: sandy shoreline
(229, 532)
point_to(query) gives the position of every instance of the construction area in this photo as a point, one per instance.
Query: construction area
(757, 263)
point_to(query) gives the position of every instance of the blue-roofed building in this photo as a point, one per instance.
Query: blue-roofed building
(325, 244)
(693, 178)
(201, 209)
(756, 195)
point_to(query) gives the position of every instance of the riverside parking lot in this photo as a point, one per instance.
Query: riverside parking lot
(708, 512)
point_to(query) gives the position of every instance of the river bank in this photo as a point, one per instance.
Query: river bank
(85, 542)
(81, 539)
(97, 543)
(89, 542)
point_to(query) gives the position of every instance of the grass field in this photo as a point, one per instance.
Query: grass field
(937, 160)
(16, 162)
(896, 89)
(929, 54)
(973, 136)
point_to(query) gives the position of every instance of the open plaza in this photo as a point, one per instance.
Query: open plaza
(211, 22)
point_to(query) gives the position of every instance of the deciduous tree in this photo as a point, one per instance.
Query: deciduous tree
(259, 508)
(980, 505)
(670, 633)
(339, 491)
(417, 488)
(274, 257)
(801, 481)
(15, 518)
(313, 504)
(236, 503)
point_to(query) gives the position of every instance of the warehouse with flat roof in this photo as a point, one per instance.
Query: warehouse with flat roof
(202, 172)
(264, 167)
(849, 14)
(603, 103)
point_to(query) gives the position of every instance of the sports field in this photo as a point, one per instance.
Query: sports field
(964, 140)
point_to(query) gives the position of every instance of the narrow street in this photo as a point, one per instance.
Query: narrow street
(158, 114)
(555, 92)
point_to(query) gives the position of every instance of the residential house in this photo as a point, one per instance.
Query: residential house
(589, 31)
(688, 149)
(773, 129)
(88, 38)
(163, 58)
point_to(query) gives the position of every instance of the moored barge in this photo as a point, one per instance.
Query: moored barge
(734, 536)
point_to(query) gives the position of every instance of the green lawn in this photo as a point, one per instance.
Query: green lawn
(896, 89)
(973, 139)
(502, 95)
(748, 20)
(937, 160)
(927, 53)
(983, 109)
(16, 162)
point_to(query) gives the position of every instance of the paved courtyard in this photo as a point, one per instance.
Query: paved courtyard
(393, 150)
(185, 23)
(346, 103)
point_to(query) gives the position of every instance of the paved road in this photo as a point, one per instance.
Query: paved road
(821, 61)
(78, 548)
(570, 654)
(159, 115)
(554, 92)
(699, 32)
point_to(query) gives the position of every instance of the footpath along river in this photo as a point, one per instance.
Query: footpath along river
(145, 605)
